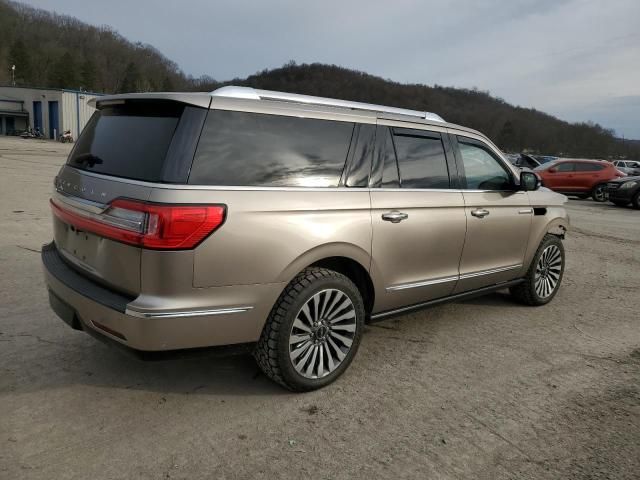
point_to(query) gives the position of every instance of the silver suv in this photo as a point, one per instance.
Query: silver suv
(283, 223)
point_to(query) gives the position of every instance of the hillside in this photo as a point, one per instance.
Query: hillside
(72, 54)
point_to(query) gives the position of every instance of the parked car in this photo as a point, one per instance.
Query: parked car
(523, 160)
(625, 191)
(581, 178)
(281, 223)
(628, 166)
(545, 158)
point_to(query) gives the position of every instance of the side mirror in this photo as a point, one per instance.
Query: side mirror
(529, 181)
(552, 170)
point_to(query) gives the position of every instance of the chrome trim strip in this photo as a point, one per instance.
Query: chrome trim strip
(424, 283)
(176, 186)
(188, 313)
(93, 212)
(78, 203)
(436, 281)
(489, 272)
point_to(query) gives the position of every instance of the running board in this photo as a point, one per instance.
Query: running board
(451, 298)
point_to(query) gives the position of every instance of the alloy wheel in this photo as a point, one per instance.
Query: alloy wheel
(600, 194)
(548, 270)
(322, 333)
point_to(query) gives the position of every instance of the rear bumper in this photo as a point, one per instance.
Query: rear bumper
(237, 316)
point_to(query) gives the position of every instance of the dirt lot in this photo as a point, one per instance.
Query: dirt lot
(482, 389)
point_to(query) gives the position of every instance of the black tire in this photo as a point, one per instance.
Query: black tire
(635, 201)
(599, 193)
(526, 292)
(620, 203)
(272, 352)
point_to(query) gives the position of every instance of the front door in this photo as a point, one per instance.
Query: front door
(498, 217)
(418, 217)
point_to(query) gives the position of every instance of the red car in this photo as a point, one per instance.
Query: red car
(580, 178)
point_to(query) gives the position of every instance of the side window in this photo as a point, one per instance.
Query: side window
(254, 149)
(482, 170)
(421, 159)
(588, 167)
(388, 160)
(565, 167)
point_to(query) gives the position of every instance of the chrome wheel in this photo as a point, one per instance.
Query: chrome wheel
(548, 270)
(600, 194)
(322, 333)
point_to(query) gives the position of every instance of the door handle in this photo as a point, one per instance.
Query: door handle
(480, 212)
(394, 217)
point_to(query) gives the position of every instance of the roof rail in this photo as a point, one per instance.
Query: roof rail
(256, 94)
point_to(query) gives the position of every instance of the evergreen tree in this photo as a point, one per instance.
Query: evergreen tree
(88, 74)
(65, 73)
(131, 79)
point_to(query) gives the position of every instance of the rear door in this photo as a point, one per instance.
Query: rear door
(123, 149)
(498, 216)
(586, 175)
(418, 216)
(560, 177)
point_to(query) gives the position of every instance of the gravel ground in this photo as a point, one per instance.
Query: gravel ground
(481, 389)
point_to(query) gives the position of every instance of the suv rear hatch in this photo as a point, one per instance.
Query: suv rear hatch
(100, 214)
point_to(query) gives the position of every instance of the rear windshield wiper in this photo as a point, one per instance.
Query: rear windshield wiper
(88, 159)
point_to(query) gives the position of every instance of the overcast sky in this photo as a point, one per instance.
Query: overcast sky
(576, 59)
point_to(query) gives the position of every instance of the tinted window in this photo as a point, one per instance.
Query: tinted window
(421, 160)
(129, 140)
(588, 167)
(564, 167)
(390, 177)
(253, 149)
(361, 160)
(482, 170)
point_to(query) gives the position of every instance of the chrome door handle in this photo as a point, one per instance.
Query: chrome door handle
(480, 212)
(394, 217)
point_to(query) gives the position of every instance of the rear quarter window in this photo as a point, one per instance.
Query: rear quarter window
(254, 149)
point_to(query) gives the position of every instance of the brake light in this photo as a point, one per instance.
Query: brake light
(147, 225)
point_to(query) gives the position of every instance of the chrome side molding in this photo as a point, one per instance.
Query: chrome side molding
(187, 313)
(424, 283)
(453, 278)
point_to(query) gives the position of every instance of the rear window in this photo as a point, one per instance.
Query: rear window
(128, 140)
(421, 159)
(588, 167)
(254, 149)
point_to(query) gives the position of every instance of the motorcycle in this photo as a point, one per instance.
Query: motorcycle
(66, 137)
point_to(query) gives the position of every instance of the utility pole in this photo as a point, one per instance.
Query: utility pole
(13, 75)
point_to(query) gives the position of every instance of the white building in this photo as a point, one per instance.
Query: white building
(52, 111)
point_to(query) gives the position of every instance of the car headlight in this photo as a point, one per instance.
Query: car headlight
(628, 185)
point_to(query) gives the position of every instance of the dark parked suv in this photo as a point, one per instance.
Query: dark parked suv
(625, 191)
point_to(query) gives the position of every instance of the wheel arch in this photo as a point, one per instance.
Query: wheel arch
(347, 259)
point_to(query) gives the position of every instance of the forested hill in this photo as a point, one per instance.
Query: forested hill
(51, 50)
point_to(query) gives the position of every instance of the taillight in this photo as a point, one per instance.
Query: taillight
(147, 225)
